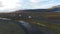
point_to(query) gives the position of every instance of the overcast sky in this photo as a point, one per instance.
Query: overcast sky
(12, 5)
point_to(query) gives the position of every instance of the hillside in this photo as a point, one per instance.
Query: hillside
(49, 18)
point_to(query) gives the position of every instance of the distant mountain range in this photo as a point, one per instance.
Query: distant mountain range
(36, 10)
(53, 9)
(33, 10)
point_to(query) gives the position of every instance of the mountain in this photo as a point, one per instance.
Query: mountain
(36, 10)
(55, 8)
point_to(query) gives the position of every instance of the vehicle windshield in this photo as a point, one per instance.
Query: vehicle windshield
(34, 16)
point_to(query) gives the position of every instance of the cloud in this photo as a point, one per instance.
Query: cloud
(39, 4)
(10, 5)
(42, 4)
(35, 1)
(13, 5)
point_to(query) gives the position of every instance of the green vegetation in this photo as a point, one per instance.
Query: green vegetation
(48, 15)
(10, 27)
(53, 26)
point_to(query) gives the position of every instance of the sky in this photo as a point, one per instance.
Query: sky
(13, 5)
